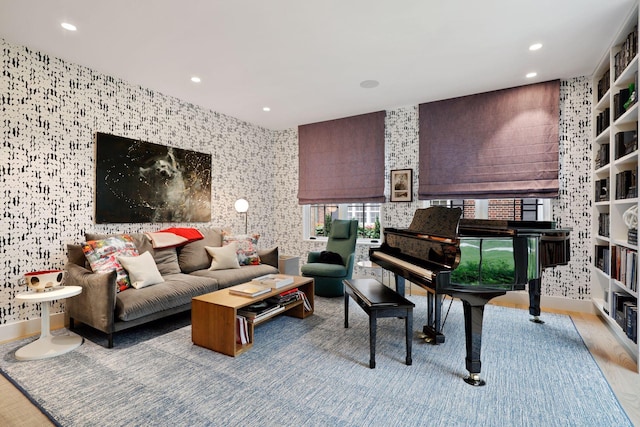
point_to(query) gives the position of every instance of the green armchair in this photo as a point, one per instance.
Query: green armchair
(328, 277)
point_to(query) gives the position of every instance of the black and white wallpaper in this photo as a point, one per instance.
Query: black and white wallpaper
(51, 110)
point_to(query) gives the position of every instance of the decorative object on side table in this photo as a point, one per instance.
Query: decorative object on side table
(40, 281)
(630, 218)
(48, 345)
(402, 185)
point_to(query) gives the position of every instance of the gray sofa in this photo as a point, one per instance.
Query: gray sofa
(185, 271)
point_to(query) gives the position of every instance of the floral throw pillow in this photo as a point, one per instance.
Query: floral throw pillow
(247, 247)
(102, 256)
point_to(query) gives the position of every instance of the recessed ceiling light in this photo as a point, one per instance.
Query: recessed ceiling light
(369, 84)
(67, 26)
(266, 109)
(531, 75)
(195, 79)
(535, 46)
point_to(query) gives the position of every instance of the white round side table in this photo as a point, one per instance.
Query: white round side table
(48, 345)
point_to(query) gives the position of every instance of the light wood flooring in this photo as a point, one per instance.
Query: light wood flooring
(616, 364)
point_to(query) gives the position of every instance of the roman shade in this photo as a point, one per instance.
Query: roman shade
(342, 161)
(501, 144)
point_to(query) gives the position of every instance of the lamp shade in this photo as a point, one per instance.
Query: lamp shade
(241, 205)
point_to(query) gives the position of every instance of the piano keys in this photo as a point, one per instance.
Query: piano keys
(448, 255)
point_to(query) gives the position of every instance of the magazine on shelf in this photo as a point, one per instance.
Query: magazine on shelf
(258, 309)
(242, 333)
(275, 281)
(250, 289)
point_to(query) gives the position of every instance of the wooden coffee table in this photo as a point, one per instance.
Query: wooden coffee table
(213, 316)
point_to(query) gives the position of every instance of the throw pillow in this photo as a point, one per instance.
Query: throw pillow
(193, 256)
(102, 256)
(340, 229)
(247, 247)
(223, 258)
(142, 270)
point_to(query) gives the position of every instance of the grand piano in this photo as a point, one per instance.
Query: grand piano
(430, 254)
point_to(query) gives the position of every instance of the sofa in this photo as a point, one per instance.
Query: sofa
(186, 271)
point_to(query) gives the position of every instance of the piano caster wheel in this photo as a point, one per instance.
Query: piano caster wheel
(427, 339)
(536, 319)
(474, 380)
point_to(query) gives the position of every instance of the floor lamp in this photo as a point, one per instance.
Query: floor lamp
(242, 206)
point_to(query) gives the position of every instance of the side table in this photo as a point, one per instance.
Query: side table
(48, 345)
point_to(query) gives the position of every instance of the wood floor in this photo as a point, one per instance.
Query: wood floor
(616, 364)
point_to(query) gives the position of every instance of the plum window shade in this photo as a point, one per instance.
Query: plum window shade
(342, 161)
(501, 144)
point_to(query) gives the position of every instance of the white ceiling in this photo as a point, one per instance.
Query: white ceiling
(306, 59)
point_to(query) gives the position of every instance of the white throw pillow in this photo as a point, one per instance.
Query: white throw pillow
(142, 270)
(224, 257)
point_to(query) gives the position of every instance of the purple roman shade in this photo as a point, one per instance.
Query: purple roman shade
(342, 161)
(501, 144)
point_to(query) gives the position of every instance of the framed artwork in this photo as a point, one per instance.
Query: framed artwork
(402, 185)
(138, 181)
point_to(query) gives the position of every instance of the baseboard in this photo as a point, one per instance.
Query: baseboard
(26, 328)
(549, 303)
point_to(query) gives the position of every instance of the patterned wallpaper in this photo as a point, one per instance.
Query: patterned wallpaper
(51, 110)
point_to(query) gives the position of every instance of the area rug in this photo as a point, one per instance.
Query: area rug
(314, 372)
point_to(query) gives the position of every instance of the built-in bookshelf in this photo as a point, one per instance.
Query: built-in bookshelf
(615, 194)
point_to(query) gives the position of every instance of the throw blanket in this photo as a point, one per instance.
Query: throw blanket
(174, 236)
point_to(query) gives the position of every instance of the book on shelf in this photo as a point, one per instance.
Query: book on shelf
(249, 289)
(274, 281)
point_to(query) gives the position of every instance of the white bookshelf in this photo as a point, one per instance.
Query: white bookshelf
(614, 276)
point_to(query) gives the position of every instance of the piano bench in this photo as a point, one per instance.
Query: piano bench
(378, 301)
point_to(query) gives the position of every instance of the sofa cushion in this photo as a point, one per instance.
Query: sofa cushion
(142, 270)
(102, 256)
(176, 290)
(223, 257)
(193, 256)
(247, 247)
(166, 259)
(230, 277)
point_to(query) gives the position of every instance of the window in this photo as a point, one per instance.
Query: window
(510, 209)
(317, 219)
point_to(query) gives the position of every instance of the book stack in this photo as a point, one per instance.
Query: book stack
(274, 281)
(628, 51)
(624, 309)
(603, 225)
(604, 84)
(260, 310)
(292, 295)
(626, 185)
(603, 120)
(623, 263)
(602, 260)
(602, 157)
(249, 290)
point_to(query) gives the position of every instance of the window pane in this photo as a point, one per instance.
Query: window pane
(367, 214)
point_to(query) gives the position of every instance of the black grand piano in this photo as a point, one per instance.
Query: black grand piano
(430, 251)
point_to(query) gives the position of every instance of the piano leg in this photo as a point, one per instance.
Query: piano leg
(473, 315)
(535, 289)
(433, 329)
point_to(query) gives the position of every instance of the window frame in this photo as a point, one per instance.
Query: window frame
(343, 213)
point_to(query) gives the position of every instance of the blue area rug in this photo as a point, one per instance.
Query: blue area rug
(313, 372)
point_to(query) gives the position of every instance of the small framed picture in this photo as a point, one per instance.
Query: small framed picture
(402, 185)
